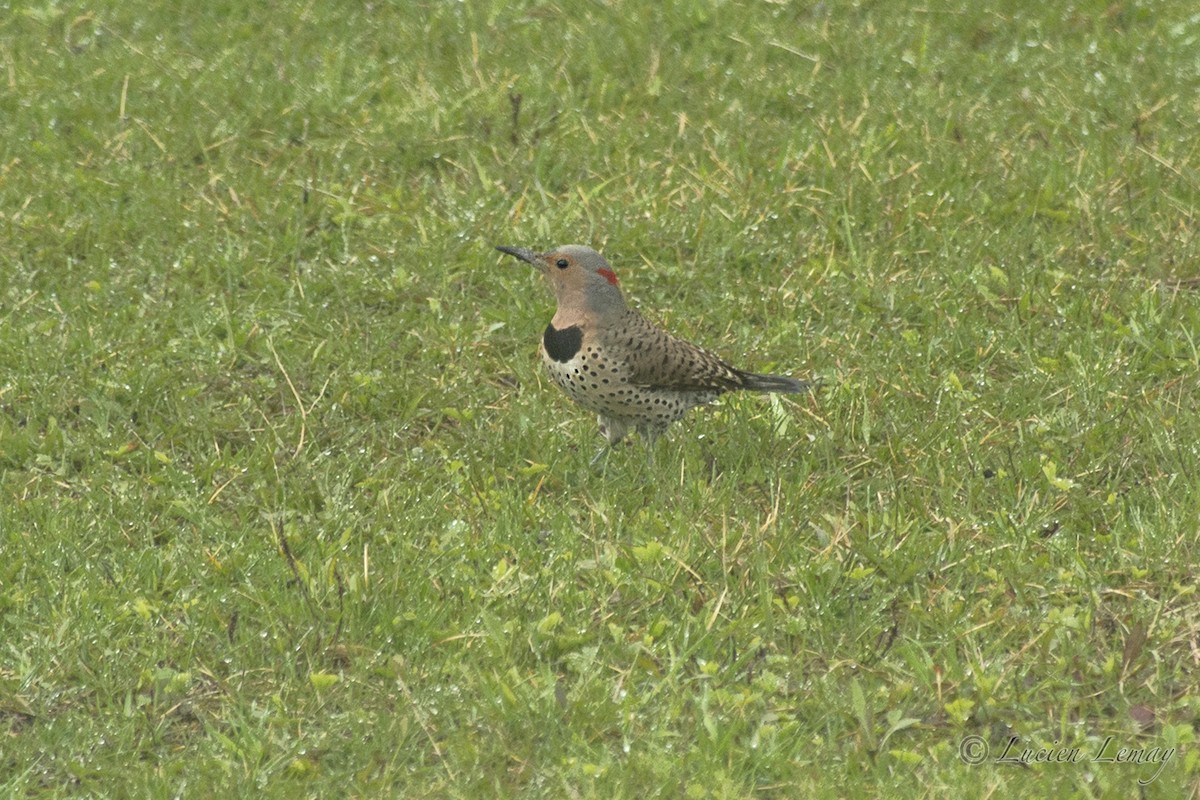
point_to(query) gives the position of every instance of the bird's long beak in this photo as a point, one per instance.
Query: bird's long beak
(522, 253)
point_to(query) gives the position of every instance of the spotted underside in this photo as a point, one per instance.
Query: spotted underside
(634, 377)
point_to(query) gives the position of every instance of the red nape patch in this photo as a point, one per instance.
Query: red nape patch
(609, 275)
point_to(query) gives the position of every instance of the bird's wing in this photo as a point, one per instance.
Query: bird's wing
(656, 359)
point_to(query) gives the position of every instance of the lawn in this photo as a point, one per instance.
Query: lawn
(290, 509)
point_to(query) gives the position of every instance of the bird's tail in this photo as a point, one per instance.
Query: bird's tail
(773, 383)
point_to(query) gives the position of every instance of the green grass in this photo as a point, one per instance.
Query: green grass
(291, 509)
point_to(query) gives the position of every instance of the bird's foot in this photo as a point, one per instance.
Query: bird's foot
(601, 453)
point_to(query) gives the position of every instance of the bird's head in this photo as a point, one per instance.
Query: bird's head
(580, 277)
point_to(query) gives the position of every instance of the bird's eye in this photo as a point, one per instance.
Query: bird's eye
(562, 263)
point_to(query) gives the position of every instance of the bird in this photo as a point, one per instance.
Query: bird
(614, 362)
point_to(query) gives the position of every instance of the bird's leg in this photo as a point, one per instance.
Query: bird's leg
(650, 434)
(613, 430)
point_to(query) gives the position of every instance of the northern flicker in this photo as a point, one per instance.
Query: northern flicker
(611, 360)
